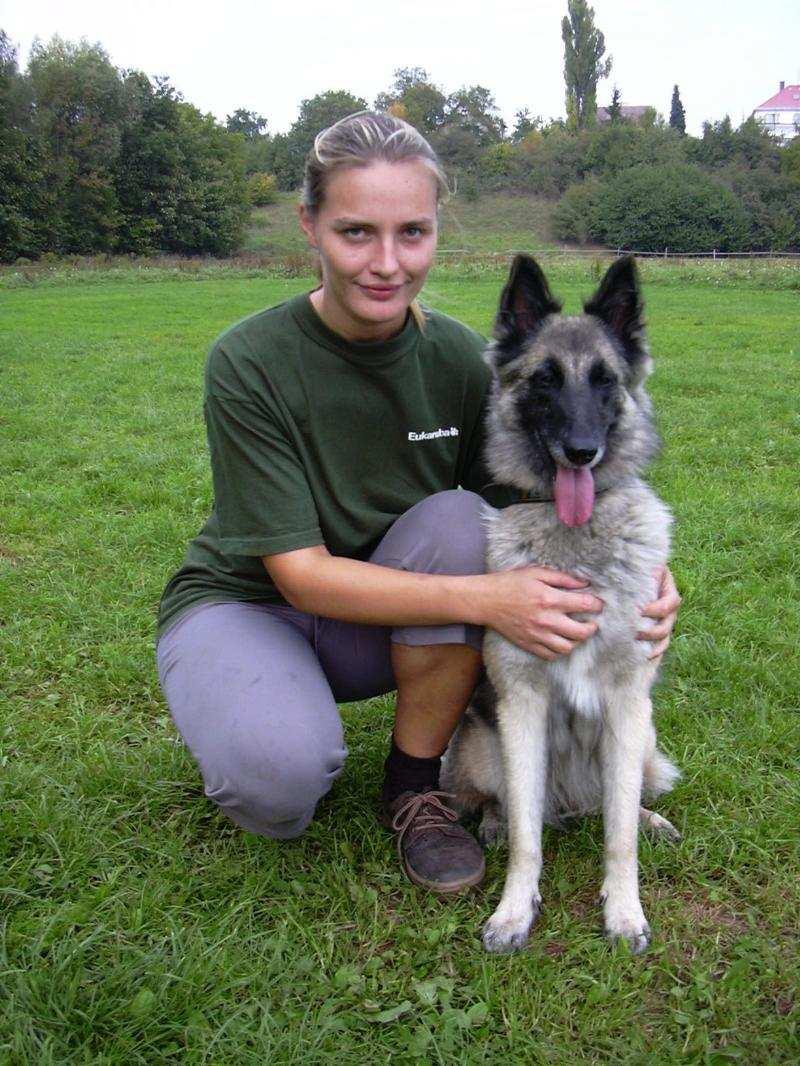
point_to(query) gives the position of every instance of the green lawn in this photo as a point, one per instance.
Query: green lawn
(138, 926)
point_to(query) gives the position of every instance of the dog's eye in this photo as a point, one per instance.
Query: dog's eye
(547, 377)
(601, 377)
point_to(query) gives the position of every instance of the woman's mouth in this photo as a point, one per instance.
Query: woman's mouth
(380, 292)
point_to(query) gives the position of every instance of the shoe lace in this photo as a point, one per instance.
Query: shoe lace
(424, 810)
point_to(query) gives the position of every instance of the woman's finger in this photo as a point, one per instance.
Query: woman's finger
(659, 649)
(663, 608)
(541, 652)
(557, 578)
(669, 599)
(657, 632)
(574, 602)
(560, 645)
(565, 626)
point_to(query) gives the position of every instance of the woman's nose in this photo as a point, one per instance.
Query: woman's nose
(385, 261)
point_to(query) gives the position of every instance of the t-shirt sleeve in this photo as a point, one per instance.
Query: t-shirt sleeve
(261, 496)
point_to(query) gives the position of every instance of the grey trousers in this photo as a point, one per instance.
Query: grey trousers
(252, 688)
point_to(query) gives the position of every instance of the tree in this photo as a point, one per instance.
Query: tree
(316, 114)
(751, 145)
(247, 123)
(252, 127)
(413, 97)
(149, 169)
(457, 147)
(524, 125)
(22, 196)
(677, 116)
(79, 108)
(212, 206)
(790, 160)
(474, 109)
(615, 107)
(584, 66)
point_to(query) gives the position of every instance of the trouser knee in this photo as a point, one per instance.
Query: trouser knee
(274, 796)
(442, 534)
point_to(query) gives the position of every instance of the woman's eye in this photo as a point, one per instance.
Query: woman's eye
(353, 233)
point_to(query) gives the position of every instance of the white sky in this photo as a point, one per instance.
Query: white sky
(727, 56)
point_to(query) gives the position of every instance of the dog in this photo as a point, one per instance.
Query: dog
(570, 425)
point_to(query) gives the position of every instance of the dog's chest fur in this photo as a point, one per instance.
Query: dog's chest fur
(617, 552)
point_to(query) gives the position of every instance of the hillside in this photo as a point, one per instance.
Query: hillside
(497, 222)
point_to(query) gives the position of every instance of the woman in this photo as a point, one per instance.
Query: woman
(344, 556)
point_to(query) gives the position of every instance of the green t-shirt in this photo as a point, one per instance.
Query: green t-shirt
(318, 440)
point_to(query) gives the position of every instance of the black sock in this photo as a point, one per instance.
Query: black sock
(407, 773)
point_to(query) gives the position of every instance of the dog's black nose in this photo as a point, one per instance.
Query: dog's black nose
(580, 456)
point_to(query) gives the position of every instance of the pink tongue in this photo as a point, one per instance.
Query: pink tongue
(574, 495)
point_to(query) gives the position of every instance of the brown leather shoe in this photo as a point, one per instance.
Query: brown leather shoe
(435, 851)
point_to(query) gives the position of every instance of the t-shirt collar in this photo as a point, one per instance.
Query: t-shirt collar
(364, 353)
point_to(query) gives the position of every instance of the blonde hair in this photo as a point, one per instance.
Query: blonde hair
(358, 140)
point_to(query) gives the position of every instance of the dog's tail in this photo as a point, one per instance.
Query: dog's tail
(659, 774)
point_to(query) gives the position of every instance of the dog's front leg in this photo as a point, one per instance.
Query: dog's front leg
(522, 723)
(624, 742)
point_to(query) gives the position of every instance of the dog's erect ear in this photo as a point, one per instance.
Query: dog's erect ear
(524, 304)
(618, 304)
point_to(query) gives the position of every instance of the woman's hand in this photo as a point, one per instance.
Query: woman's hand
(664, 610)
(531, 607)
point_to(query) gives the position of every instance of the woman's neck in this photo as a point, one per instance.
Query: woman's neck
(349, 328)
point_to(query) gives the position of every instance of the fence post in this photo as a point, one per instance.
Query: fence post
(715, 253)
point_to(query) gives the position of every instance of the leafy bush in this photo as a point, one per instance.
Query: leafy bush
(574, 216)
(262, 189)
(677, 207)
(790, 160)
(772, 203)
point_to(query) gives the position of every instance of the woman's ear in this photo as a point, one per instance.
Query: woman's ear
(307, 224)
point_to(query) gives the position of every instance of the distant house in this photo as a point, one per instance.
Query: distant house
(631, 114)
(781, 113)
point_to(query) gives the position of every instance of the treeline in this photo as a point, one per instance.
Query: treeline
(96, 159)
(641, 184)
(460, 125)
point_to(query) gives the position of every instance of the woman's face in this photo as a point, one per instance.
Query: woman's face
(376, 236)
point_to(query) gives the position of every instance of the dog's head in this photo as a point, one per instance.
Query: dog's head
(569, 413)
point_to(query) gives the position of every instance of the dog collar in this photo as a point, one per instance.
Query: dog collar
(527, 498)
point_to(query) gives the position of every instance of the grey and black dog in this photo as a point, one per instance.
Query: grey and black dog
(570, 425)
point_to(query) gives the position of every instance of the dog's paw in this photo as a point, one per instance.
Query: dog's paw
(658, 826)
(625, 920)
(506, 932)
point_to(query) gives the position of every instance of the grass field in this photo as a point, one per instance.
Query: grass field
(138, 926)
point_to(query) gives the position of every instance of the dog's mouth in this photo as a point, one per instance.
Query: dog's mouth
(574, 494)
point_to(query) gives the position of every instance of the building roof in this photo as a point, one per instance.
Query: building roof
(787, 99)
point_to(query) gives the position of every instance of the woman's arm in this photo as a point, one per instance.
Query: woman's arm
(530, 606)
